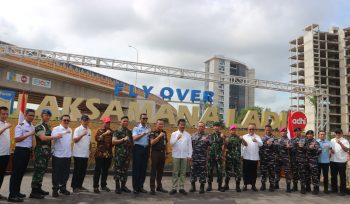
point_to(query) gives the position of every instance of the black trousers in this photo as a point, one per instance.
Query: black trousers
(139, 166)
(101, 170)
(324, 167)
(21, 158)
(250, 168)
(60, 172)
(338, 168)
(79, 172)
(157, 168)
(3, 165)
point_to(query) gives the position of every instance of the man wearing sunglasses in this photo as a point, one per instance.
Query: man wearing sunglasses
(81, 153)
(61, 157)
(140, 136)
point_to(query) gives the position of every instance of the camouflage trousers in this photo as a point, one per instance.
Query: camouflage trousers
(42, 156)
(283, 163)
(312, 173)
(299, 167)
(295, 171)
(121, 166)
(215, 163)
(233, 168)
(267, 169)
(199, 169)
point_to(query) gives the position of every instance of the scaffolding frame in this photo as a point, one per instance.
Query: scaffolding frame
(322, 115)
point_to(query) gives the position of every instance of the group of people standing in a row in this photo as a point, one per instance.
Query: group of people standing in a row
(302, 158)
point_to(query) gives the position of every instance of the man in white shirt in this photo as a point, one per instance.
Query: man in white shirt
(4, 143)
(181, 152)
(339, 157)
(23, 138)
(81, 153)
(250, 154)
(61, 157)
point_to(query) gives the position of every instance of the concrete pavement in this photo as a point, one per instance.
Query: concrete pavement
(280, 196)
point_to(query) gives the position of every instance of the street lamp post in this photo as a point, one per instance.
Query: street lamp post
(137, 61)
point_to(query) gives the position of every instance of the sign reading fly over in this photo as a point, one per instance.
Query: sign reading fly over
(169, 93)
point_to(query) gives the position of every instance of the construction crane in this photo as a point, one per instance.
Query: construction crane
(322, 107)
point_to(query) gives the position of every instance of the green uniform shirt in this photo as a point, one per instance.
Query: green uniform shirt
(39, 129)
(125, 148)
(233, 146)
(216, 143)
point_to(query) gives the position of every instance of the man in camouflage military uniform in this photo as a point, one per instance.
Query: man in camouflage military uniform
(122, 139)
(267, 154)
(233, 158)
(313, 149)
(298, 160)
(216, 140)
(42, 153)
(284, 146)
(200, 144)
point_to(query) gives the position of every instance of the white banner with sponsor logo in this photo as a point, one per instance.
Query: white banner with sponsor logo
(41, 82)
(11, 76)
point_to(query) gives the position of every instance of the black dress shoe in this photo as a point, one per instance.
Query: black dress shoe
(135, 191)
(15, 199)
(183, 192)
(3, 197)
(96, 190)
(55, 194)
(254, 188)
(125, 189)
(42, 192)
(83, 189)
(36, 195)
(143, 190)
(152, 192)
(65, 192)
(172, 192)
(162, 190)
(342, 194)
(21, 195)
(106, 189)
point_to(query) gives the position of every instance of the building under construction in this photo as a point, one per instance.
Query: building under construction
(322, 59)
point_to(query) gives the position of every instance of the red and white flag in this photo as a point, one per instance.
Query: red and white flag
(290, 126)
(22, 108)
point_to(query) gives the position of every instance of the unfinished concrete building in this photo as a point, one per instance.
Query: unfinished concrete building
(322, 59)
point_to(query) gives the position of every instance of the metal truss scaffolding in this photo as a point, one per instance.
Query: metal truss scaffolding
(322, 117)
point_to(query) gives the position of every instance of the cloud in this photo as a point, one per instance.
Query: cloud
(174, 33)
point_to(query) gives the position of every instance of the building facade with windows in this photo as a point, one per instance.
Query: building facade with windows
(322, 59)
(229, 96)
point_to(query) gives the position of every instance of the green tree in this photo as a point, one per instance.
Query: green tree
(313, 102)
(244, 111)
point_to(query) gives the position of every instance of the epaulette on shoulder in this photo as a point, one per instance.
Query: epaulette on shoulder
(37, 125)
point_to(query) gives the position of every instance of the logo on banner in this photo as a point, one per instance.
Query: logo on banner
(7, 98)
(296, 120)
(20, 78)
(299, 120)
(41, 82)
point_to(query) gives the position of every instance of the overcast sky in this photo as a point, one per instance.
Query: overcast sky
(179, 33)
